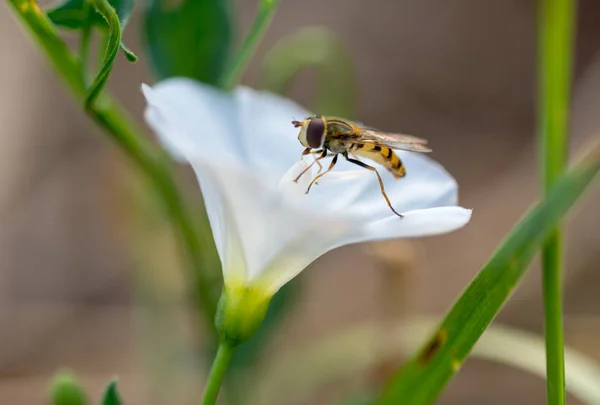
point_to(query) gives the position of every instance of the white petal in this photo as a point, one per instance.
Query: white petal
(426, 222)
(264, 218)
(194, 120)
(427, 184)
(323, 237)
(270, 139)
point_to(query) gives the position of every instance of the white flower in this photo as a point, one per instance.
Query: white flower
(246, 153)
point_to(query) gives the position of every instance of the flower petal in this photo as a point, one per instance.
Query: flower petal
(269, 138)
(323, 237)
(193, 119)
(418, 223)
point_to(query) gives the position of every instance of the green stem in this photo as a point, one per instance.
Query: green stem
(261, 22)
(120, 127)
(217, 373)
(556, 31)
(84, 46)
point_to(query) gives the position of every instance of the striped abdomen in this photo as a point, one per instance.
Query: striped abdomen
(382, 155)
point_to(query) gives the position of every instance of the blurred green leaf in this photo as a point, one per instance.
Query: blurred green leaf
(67, 390)
(73, 14)
(423, 378)
(191, 38)
(319, 48)
(111, 395)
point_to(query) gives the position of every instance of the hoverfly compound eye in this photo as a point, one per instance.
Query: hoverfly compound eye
(315, 132)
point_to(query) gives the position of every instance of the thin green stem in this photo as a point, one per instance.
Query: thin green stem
(217, 373)
(261, 22)
(120, 127)
(84, 45)
(556, 32)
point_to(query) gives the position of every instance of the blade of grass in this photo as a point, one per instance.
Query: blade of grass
(555, 56)
(423, 378)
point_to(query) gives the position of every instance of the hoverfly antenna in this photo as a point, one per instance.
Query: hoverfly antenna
(296, 123)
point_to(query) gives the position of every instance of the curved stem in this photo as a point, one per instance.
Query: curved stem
(217, 373)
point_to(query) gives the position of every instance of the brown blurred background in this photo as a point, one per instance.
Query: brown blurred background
(460, 73)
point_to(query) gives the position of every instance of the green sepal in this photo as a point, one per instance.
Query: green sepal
(240, 313)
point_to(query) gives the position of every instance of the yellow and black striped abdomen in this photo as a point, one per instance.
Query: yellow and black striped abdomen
(382, 155)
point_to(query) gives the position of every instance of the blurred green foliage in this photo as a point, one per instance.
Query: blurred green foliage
(66, 389)
(321, 49)
(191, 38)
(111, 395)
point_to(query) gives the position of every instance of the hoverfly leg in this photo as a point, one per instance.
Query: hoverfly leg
(333, 162)
(366, 166)
(320, 166)
(323, 154)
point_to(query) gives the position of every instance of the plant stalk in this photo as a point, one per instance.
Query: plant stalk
(556, 32)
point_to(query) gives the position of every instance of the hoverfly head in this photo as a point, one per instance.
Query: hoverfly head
(312, 132)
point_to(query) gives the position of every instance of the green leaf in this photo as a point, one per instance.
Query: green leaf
(111, 395)
(422, 379)
(190, 39)
(67, 390)
(72, 14)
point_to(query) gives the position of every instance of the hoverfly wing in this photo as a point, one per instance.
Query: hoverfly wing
(391, 136)
(395, 141)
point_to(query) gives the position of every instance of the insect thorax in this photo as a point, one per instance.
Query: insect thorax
(336, 145)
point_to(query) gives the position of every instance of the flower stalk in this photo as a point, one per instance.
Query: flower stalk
(556, 30)
(217, 373)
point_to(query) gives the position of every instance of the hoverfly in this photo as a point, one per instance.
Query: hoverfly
(329, 136)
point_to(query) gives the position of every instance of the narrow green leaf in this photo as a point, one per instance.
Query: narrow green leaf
(191, 39)
(422, 379)
(320, 48)
(111, 395)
